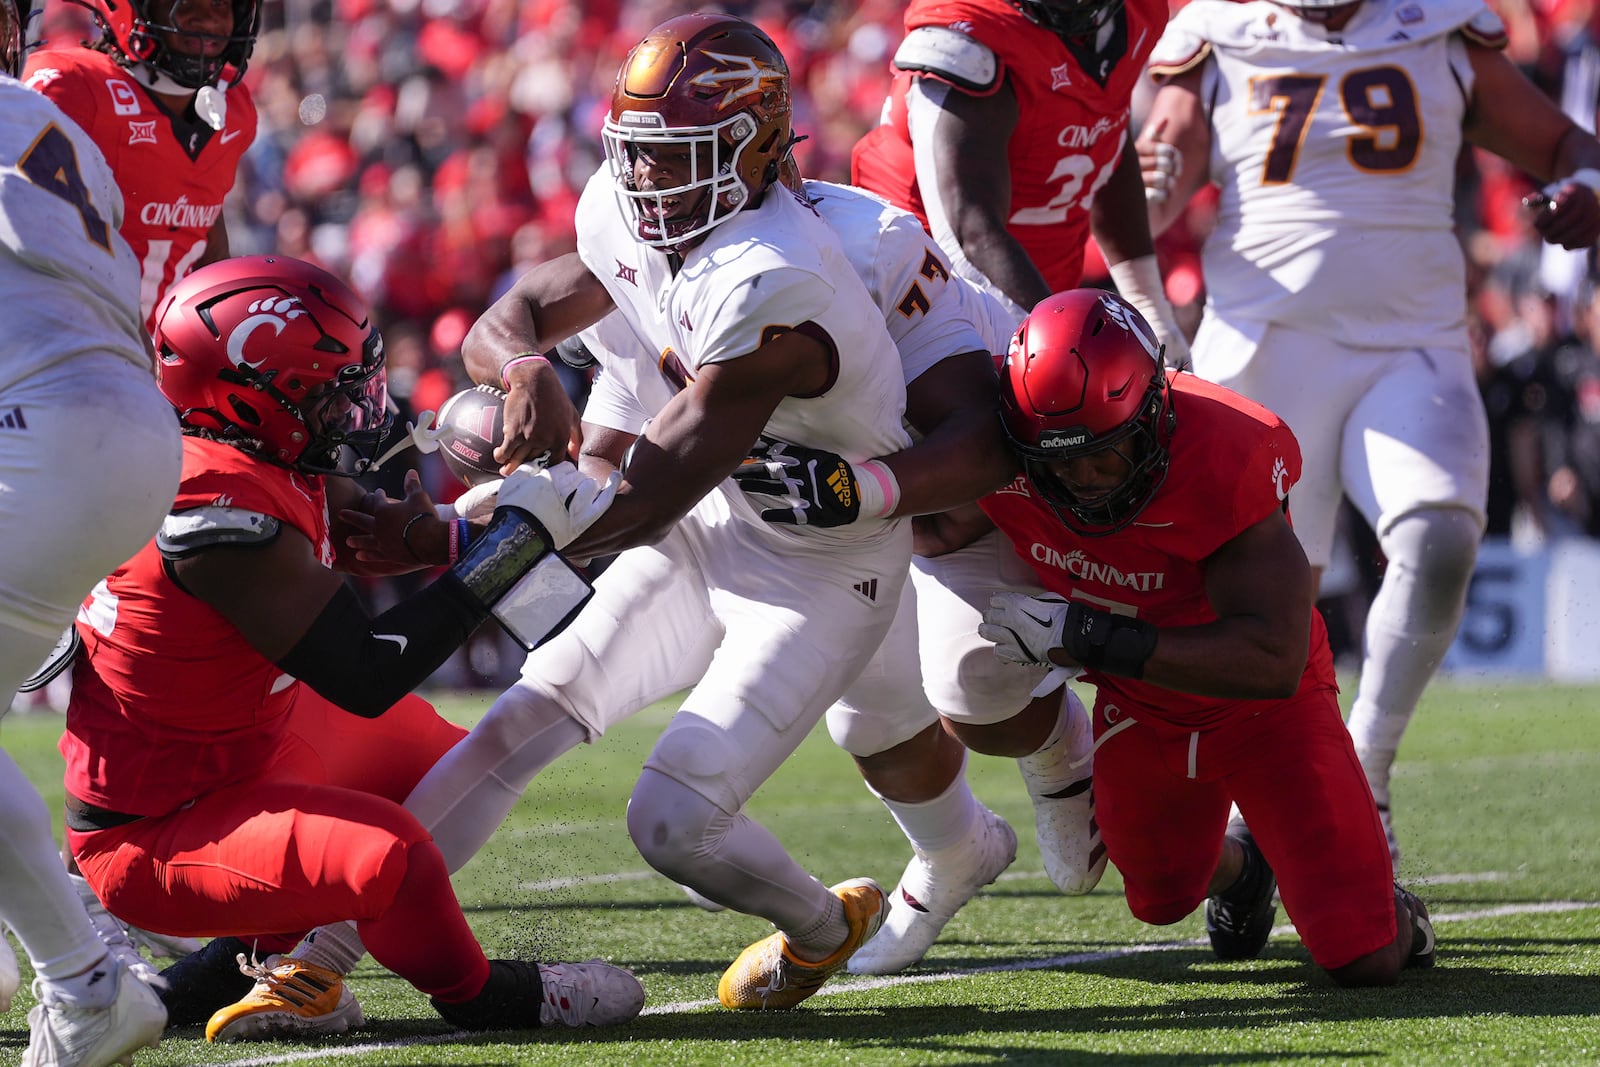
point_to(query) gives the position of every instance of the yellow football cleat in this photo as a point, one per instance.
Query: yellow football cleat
(291, 998)
(767, 974)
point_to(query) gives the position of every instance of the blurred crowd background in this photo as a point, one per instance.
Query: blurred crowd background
(431, 150)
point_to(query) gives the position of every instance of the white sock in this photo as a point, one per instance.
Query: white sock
(37, 900)
(823, 938)
(336, 947)
(94, 988)
(943, 822)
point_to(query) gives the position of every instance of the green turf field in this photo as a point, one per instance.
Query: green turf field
(1497, 799)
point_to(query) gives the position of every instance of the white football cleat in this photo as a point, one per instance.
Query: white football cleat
(933, 888)
(1063, 816)
(10, 973)
(67, 1033)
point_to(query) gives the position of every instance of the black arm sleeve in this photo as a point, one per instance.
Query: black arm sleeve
(366, 665)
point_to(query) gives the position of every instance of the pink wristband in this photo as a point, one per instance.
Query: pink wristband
(882, 503)
(522, 357)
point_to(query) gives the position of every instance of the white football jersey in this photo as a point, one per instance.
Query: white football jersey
(931, 313)
(774, 267)
(1335, 155)
(63, 261)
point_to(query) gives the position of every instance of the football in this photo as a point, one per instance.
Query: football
(470, 426)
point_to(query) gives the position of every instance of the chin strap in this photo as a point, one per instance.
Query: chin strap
(210, 101)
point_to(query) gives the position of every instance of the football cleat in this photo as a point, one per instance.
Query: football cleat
(933, 888)
(10, 973)
(291, 998)
(767, 974)
(1063, 815)
(588, 994)
(202, 983)
(1239, 919)
(67, 1033)
(521, 995)
(1422, 941)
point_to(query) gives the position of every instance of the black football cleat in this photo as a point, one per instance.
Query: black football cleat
(1239, 919)
(1422, 942)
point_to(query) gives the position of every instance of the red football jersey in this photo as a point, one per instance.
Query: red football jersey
(1233, 462)
(1070, 131)
(173, 172)
(169, 700)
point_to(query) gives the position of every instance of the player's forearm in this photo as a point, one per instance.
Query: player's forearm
(963, 459)
(1238, 658)
(1118, 218)
(1001, 259)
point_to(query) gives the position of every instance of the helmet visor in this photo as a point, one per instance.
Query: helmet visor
(349, 417)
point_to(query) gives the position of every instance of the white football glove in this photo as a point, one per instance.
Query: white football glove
(1160, 167)
(1025, 628)
(560, 498)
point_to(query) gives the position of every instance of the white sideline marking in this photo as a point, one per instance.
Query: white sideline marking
(852, 984)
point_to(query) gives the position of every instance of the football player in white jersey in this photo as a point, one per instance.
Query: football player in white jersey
(89, 459)
(933, 662)
(1336, 286)
(753, 325)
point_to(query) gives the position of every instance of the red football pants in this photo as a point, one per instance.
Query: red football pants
(1162, 794)
(319, 836)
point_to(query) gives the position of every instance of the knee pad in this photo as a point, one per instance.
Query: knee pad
(1431, 554)
(672, 825)
(876, 719)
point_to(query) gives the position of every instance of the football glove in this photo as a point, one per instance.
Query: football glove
(559, 498)
(1025, 628)
(814, 487)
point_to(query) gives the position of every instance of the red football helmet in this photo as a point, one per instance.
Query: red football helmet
(139, 37)
(278, 356)
(1068, 18)
(718, 87)
(1084, 375)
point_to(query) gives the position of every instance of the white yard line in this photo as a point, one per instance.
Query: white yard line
(850, 984)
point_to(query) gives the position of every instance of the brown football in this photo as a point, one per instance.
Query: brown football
(473, 425)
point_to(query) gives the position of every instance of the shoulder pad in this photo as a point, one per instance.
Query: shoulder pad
(1487, 29)
(1183, 45)
(950, 56)
(187, 532)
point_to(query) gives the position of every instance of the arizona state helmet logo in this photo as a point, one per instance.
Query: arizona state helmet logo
(741, 75)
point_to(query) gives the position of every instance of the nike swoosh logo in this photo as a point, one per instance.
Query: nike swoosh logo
(1036, 619)
(230, 135)
(396, 638)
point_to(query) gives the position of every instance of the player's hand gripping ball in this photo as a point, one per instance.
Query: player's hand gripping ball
(469, 427)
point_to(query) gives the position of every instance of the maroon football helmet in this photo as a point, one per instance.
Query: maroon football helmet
(1083, 375)
(139, 37)
(713, 85)
(278, 356)
(1069, 18)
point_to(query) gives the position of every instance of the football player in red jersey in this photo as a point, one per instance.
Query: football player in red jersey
(161, 95)
(1154, 509)
(1006, 131)
(89, 461)
(232, 688)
